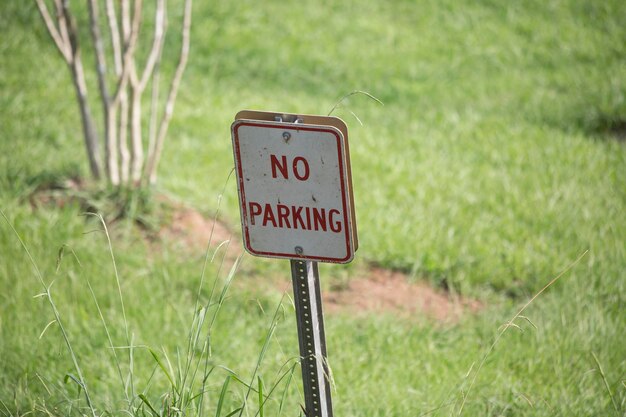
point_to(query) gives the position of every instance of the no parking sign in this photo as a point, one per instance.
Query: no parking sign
(295, 186)
(295, 197)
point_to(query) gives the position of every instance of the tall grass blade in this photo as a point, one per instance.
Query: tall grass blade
(529, 321)
(201, 319)
(268, 338)
(6, 408)
(235, 411)
(55, 312)
(215, 217)
(119, 291)
(284, 396)
(261, 402)
(355, 92)
(109, 339)
(236, 377)
(193, 340)
(162, 366)
(220, 400)
(145, 401)
(511, 324)
(46, 328)
(71, 377)
(43, 383)
(61, 254)
(606, 383)
(289, 372)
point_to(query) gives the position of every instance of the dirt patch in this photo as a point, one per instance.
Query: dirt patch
(386, 291)
(378, 290)
(194, 231)
(57, 194)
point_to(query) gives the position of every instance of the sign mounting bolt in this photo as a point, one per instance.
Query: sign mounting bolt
(299, 250)
(286, 136)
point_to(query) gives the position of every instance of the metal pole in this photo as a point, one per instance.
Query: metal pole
(308, 302)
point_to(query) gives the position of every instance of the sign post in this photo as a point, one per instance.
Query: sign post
(310, 320)
(296, 203)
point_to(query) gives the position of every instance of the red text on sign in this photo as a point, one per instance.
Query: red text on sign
(299, 167)
(295, 217)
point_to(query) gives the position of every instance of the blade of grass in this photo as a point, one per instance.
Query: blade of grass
(289, 372)
(220, 400)
(235, 411)
(201, 319)
(109, 339)
(119, 291)
(282, 398)
(261, 402)
(606, 383)
(193, 341)
(145, 401)
(266, 343)
(46, 328)
(162, 366)
(55, 312)
(355, 92)
(510, 324)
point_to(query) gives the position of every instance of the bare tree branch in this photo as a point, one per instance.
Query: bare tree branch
(62, 10)
(131, 33)
(114, 32)
(123, 137)
(125, 20)
(78, 76)
(154, 159)
(110, 148)
(129, 47)
(159, 31)
(115, 36)
(123, 96)
(137, 88)
(156, 78)
(108, 109)
(53, 31)
(136, 158)
(68, 31)
(96, 36)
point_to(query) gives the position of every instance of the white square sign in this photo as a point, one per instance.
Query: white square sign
(294, 190)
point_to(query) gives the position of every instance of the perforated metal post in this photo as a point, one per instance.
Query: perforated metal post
(308, 302)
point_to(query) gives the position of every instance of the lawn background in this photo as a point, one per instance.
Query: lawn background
(497, 159)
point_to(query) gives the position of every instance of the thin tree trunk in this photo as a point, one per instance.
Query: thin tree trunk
(127, 81)
(66, 41)
(68, 32)
(89, 131)
(138, 85)
(108, 107)
(122, 110)
(154, 159)
(115, 36)
(111, 148)
(135, 133)
(123, 138)
(152, 130)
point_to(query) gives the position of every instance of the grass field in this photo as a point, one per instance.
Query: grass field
(497, 160)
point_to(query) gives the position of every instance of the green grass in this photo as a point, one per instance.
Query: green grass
(491, 167)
